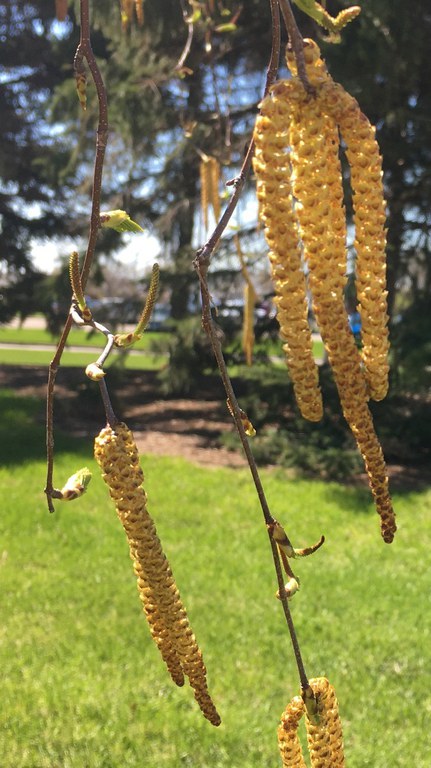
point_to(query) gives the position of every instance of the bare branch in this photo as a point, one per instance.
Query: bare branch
(201, 263)
(297, 42)
(84, 51)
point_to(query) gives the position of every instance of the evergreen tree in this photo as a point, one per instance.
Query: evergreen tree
(31, 59)
(168, 110)
(384, 61)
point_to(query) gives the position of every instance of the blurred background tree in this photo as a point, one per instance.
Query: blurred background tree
(32, 205)
(184, 83)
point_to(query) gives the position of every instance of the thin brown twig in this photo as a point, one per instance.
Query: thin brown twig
(297, 42)
(186, 50)
(83, 51)
(201, 263)
(190, 32)
(111, 418)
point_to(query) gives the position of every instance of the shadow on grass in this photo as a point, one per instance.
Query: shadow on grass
(22, 430)
(354, 499)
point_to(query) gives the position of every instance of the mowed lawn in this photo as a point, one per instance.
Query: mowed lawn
(82, 685)
(25, 346)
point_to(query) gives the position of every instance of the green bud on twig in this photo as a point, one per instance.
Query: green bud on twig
(290, 588)
(76, 485)
(94, 372)
(120, 221)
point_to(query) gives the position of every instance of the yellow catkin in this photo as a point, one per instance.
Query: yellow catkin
(139, 10)
(214, 183)
(316, 182)
(117, 455)
(362, 153)
(325, 740)
(250, 298)
(273, 171)
(366, 179)
(126, 13)
(288, 740)
(248, 323)
(205, 190)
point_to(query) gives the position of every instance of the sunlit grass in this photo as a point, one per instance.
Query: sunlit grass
(149, 360)
(82, 683)
(77, 337)
(137, 361)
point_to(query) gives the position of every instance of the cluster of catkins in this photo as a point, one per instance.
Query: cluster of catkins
(117, 455)
(300, 193)
(324, 732)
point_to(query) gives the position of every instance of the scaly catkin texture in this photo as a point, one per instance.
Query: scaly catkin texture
(273, 171)
(325, 740)
(117, 455)
(369, 207)
(317, 189)
(316, 183)
(288, 740)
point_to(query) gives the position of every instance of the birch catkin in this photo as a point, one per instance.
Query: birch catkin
(288, 739)
(272, 167)
(369, 206)
(117, 455)
(324, 738)
(209, 171)
(316, 183)
(311, 171)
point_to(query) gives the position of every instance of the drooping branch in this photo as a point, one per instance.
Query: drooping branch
(84, 52)
(201, 263)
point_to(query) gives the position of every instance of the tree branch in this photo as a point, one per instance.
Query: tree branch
(83, 51)
(201, 263)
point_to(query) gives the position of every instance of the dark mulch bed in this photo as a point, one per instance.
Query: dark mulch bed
(188, 427)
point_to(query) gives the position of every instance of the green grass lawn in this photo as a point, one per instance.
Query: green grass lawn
(145, 361)
(77, 337)
(82, 683)
(149, 360)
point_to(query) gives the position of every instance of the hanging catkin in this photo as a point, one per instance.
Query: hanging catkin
(250, 298)
(369, 207)
(314, 173)
(117, 455)
(324, 738)
(214, 183)
(209, 171)
(317, 188)
(288, 739)
(203, 172)
(248, 323)
(273, 171)
(139, 10)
